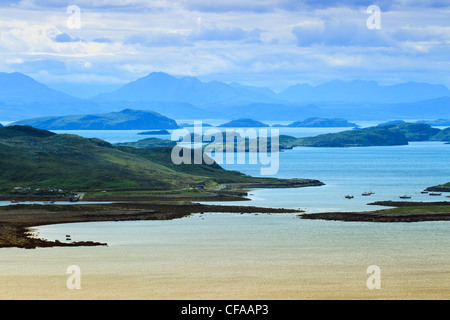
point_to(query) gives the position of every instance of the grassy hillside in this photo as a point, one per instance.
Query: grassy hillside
(38, 159)
(148, 143)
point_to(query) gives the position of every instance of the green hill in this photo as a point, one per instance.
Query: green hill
(443, 135)
(413, 131)
(148, 143)
(39, 159)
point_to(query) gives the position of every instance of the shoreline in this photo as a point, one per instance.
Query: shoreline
(401, 212)
(17, 220)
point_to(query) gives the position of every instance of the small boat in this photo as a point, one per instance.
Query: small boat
(424, 191)
(366, 193)
(405, 197)
(349, 197)
(435, 193)
(14, 201)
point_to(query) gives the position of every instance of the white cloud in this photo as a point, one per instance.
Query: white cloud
(265, 41)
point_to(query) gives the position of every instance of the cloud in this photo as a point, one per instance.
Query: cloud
(64, 37)
(180, 38)
(332, 32)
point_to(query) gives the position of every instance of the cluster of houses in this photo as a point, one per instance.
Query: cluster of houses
(28, 189)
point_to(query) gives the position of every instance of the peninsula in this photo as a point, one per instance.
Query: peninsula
(44, 166)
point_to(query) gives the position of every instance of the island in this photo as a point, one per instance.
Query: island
(190, 125)
(154, 133)
(126, 119)
(148, 143)
(396, 134)
(137, 183)
(244, 123)
(443, 135)
(440, 188)
(322, 123)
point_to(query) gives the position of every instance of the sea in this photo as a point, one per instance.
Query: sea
(260, 253)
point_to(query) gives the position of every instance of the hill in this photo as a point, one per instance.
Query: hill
(39, 159)
(437, 123)
(382, 135)
(148, 143)
(124, 120)
(443, 135)
(413, 131)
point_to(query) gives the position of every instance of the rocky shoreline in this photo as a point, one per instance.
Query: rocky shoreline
(401, 212)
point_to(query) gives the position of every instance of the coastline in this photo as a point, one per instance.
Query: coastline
(401, 212)
(17, 220)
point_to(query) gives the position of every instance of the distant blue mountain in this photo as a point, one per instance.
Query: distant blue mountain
(159, 86)
(363, 91)
(22, 97)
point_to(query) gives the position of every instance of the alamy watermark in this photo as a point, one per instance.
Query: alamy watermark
(74, 19)
(374, 20)
(74, 280)
(374, 280)
(232, 146)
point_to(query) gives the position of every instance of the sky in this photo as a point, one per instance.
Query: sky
(96, 45)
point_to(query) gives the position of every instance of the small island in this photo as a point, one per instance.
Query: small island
(154, 133)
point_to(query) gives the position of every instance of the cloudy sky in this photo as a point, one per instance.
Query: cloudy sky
(272, 43)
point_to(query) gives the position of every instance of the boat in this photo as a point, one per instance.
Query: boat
(405, 197)
(435, 193)
(349, 197)
(366, 193)
(14, 201)
(424, 191)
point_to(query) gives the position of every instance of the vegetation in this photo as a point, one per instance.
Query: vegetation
(41, 160)
(148, 143)
(413, 131)
(443, 135)
(382, 135)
